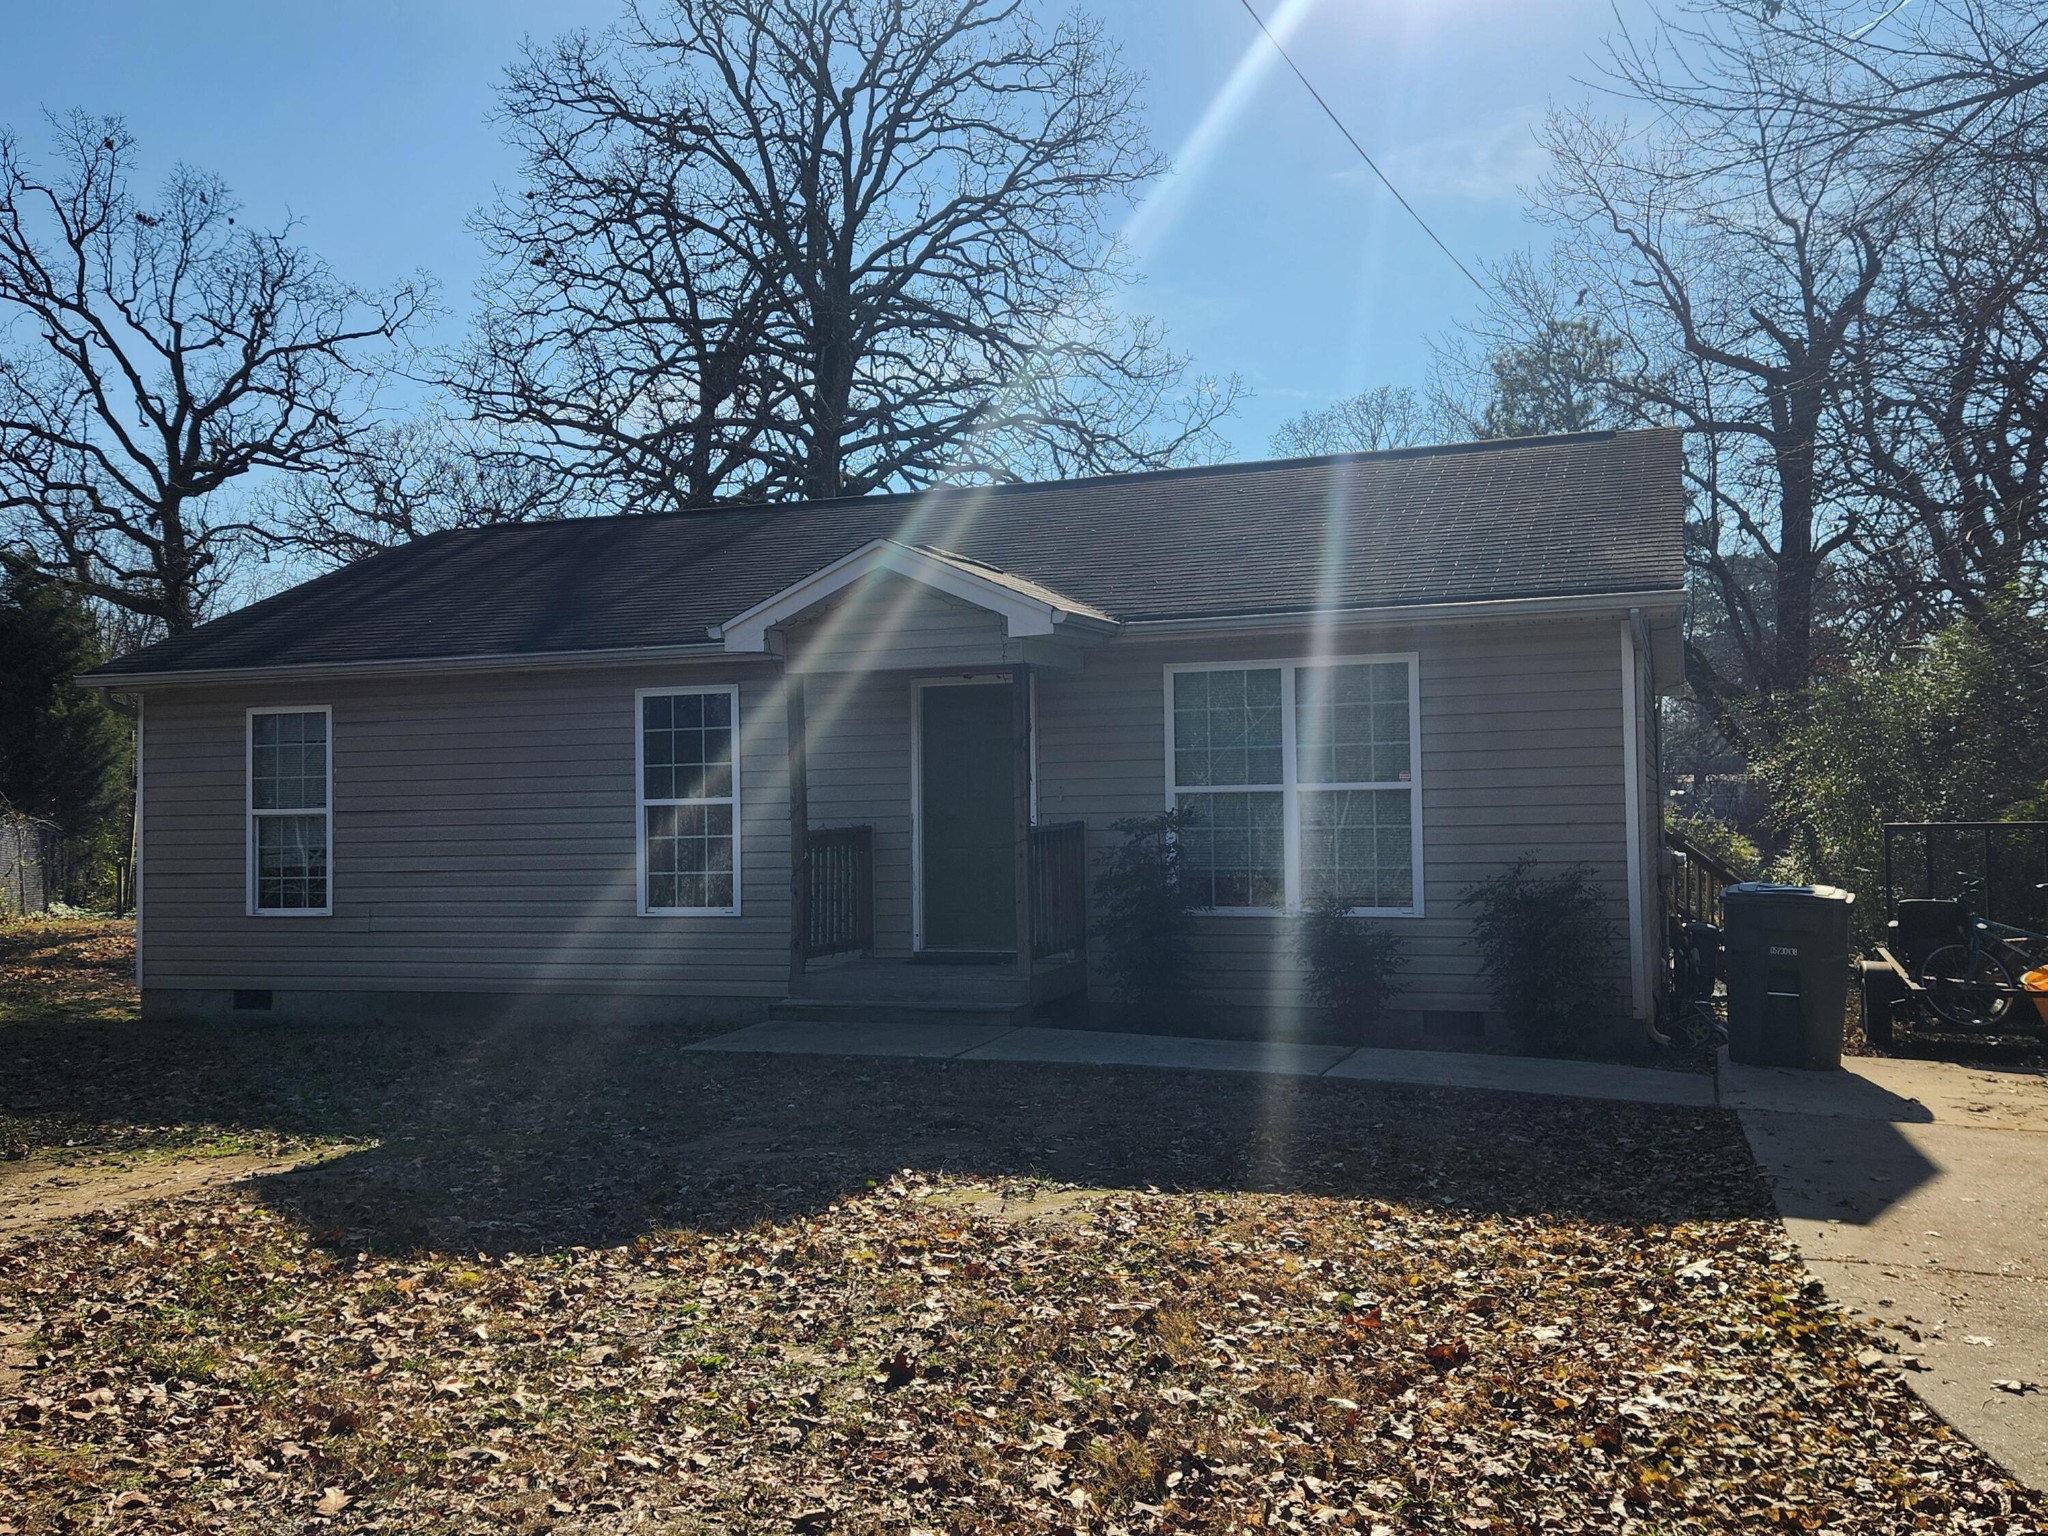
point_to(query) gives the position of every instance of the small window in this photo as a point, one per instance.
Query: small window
(290, 813)
(1300, 780)
(689, 801)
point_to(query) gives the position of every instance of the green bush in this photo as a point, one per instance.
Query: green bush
(1547, 949)
(1147, 924)
(1711, 835)
(1954, 730)
(1352, 963)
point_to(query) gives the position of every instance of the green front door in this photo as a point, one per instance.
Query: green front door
(967, 882)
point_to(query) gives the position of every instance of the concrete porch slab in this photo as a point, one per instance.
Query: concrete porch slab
(1103, 1048)
(1524, 1074)
(792, 1037)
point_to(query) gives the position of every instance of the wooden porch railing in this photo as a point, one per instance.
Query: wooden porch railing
(1693, 887)
(840, 910)
(1059, 889)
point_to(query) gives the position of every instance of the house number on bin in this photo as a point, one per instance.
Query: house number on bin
(1780, 949)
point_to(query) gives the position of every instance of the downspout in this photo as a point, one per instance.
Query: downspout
(136, 840)
(1632, 816)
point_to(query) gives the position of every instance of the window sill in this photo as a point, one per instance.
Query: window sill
(1373, 912)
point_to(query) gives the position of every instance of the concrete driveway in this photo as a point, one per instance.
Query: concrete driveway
(1918, 1194)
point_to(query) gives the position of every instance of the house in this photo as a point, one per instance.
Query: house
(559, 770)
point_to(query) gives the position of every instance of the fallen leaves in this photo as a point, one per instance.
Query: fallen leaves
(1145, 1361)
(687, 1293)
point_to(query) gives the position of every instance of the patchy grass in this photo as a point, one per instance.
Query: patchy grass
(587, 1280)
(70, 1018)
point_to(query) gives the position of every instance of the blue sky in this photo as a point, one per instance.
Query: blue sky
(1270, 252)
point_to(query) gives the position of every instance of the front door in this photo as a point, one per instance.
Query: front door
(966, 878)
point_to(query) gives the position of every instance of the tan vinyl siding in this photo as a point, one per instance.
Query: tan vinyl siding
(484, 839)
(887, 621)
(484, 824)
(859, 735)
(1521, 750)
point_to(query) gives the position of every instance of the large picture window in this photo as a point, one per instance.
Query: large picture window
(689, 801)
(1301, 782)
(290, 838)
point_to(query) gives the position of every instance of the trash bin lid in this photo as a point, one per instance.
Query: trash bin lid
(1758, 889)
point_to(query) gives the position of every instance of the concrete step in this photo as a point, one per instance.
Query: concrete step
(819, 1010)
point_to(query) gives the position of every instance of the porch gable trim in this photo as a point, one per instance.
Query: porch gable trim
(1025, 608)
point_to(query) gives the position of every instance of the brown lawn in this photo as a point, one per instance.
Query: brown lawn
(539, 1278)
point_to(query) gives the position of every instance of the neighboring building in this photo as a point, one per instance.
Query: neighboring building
(557, 769)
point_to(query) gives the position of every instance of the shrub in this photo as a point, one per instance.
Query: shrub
(1147, 925)
(1723, 841)
(1351, 961)
(1953, 730)
(1547, 948)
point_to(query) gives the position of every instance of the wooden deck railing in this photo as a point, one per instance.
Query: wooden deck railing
(1693, 887)
(1059, 889)
(840, 911)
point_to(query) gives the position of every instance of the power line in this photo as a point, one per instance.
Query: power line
(1330, 113)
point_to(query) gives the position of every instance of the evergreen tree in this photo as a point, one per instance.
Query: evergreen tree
(64, 755)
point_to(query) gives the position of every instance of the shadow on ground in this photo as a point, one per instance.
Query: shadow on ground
(529, 1139)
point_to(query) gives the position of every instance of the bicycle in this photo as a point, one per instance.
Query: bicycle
(1968, 984)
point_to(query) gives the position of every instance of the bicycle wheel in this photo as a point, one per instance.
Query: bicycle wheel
(1971, 993)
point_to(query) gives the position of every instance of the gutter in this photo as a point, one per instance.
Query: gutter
(1482, 610)
(1598, 604)
(522, 661)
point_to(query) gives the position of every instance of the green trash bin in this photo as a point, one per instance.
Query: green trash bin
(1788, 973)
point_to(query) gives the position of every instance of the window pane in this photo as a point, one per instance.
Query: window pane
(686, 747)
(1357, 845)
(689, 856)
(291, 863)
(1351, 723)
(1235, 850)
(288, 762)
(1226, 727)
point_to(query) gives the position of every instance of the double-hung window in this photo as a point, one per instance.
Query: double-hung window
(689, 801)
(1300, 780)
(291, 828)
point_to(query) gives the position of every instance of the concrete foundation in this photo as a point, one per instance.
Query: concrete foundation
(214, 1005)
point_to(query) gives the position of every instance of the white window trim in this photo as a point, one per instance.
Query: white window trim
(1290, 788)
(250, 813)
(641, 802)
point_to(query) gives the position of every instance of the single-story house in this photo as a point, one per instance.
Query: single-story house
(866, 754)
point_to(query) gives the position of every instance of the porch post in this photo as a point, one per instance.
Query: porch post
(1020, 807)
(799, 827)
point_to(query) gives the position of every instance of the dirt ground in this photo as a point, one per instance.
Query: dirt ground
(585, 1280)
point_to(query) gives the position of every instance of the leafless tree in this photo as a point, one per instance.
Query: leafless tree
(1942, 107)
(1388, 416)
(396, 482)
(153, 353)
(1950, 409)
(777, 248)
(1929, 80)
(1734, 265)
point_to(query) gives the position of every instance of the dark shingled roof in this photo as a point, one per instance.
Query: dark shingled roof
(1585, 514)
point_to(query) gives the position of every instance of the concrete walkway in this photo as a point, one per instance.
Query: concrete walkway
(1917, 1192)
(1101, 1048)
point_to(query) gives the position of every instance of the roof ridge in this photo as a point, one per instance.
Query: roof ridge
(874, 499)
